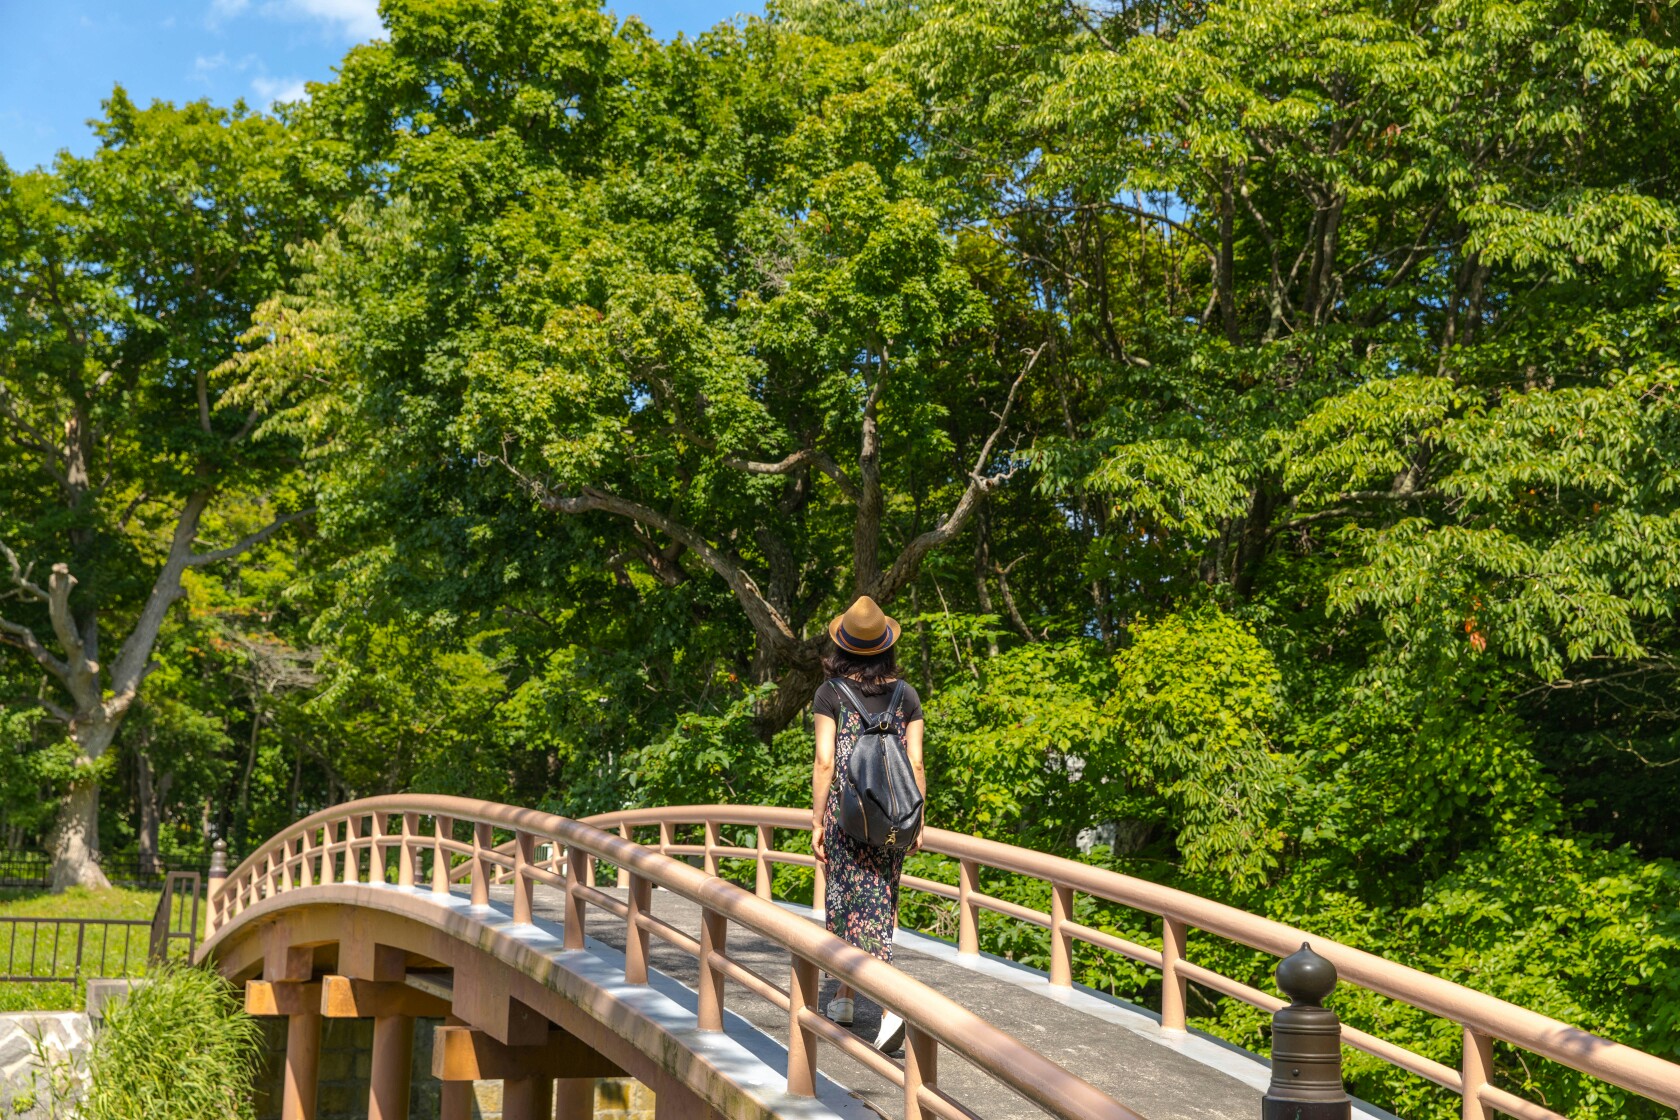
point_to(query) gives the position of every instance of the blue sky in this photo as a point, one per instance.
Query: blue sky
(60, 58)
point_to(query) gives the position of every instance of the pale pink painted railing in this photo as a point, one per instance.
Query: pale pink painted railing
(359, 842)
(1482, 1018)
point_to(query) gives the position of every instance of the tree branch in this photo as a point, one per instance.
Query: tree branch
(199, 560)
(767, 621)
(979, 485)
(806, 457)
(16, 634)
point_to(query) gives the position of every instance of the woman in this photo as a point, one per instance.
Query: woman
(862, 897)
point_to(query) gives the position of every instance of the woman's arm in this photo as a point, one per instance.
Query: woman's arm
(913, 748)
(822, 776)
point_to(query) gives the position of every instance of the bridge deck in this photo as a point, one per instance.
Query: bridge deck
(1115, 1046)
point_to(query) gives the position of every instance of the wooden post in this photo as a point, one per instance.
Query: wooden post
(303, 1065)
(483, 841)
(576, 864)
(623, 873)
(443, 828)
(218, 880)
(766, 871)
(968, 915)
(574, 1098)
(635, 934)
(714, 934)
(921, 1067)
(406, 852)
(393, 1059)
(1061, 942)
(528, 1098)
(802, 1041)
(1477, 1068)
(352, 857)
(1175, 989)
(524, 855)
(713, 841)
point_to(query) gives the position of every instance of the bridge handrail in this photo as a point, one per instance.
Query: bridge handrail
(310, 853)
(1482, 1017)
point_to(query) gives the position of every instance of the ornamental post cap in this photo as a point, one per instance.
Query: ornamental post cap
(1305, 977)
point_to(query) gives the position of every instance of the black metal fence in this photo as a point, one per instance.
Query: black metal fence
(68, 950)
(28, 869)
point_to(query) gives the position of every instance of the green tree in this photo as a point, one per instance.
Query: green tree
(124, 280)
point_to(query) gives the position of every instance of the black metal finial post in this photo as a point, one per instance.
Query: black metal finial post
(218, 859)
(1306, 1045)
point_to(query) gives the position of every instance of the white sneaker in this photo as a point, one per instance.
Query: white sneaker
(840, 1011)
(892, 1033)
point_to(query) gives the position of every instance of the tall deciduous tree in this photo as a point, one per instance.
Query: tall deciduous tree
(124, 280)
(698, 295)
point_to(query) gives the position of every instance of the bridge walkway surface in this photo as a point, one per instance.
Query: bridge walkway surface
(1114, 1045)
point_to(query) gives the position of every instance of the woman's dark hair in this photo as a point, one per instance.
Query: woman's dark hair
(874, 672)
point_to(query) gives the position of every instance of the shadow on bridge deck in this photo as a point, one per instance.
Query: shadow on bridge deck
(1114, 1045)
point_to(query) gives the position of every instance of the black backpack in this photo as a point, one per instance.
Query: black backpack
(880, 804)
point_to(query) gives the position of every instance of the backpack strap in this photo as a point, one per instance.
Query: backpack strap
(871, 719)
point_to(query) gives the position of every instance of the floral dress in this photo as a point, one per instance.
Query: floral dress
(862, 898)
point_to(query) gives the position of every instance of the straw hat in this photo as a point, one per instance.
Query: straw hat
(864, 628)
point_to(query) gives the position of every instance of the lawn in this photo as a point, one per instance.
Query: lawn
(106, 951)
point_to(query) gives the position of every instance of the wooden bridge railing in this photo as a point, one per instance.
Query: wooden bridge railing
(1482, 1019)
(417, 842)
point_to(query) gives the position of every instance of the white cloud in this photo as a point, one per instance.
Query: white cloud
(205, 65)
(358, 19)
(274, 90)
(223, 10)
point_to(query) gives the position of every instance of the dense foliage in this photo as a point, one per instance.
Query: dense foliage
(179, 1045)
(1262, 417)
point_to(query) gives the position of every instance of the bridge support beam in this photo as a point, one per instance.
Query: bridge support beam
(393, 1061)
(528, 1098)
(574, 1098)
(300, 1002)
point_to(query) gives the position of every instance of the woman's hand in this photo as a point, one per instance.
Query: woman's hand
(817, 844)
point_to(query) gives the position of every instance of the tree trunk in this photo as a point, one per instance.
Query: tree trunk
(154, 790)
(76, 839)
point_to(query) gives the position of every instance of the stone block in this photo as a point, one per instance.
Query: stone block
(105, 994)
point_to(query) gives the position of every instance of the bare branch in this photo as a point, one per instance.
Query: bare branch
(199, 560)
(979, 485)
(806, 457)
(16, 634)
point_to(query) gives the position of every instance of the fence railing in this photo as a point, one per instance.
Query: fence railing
(24, 869)
(417, 840)
(68, 950)
(1482, 1019)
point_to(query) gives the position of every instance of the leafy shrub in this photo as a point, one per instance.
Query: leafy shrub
(180, 1047)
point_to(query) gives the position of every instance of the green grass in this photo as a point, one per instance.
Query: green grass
(116, 903)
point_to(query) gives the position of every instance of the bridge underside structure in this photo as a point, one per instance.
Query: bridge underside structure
(490, 920)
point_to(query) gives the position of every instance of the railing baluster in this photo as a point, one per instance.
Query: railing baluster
(524, 854)
(443, 828)
(1061, 944)
(714, 941)
(921, 1067)
(635, 934)
(667, 837)
(378, 848)
(624, 834)
(802, 1040)
(576, 863)
(352, 856)
(765, 879)
(483, 842)
(1175, 989)
(968, 924)
(713, 842)
(1477, 1071)
(405, 852)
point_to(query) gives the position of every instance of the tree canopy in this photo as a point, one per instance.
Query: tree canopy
(1262, 417)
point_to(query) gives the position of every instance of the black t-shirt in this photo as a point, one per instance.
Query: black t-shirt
(831, 702)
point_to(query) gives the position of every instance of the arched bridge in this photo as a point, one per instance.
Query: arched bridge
(495, 920)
